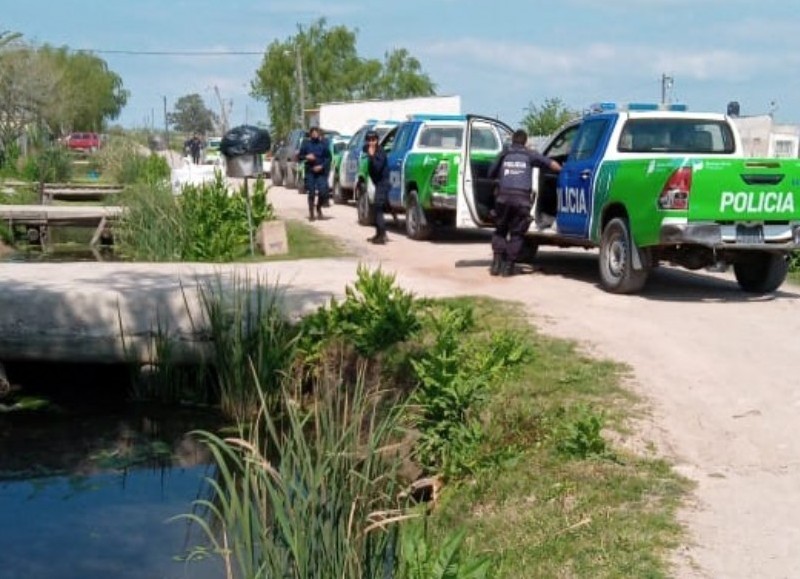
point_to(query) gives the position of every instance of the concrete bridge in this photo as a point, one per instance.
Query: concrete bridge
(111, 312)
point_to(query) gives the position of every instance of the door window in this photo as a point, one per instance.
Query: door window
(560, 146)
(589, 139)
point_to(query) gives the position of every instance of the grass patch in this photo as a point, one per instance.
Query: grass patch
(538, 511)
(307, 242)
(518, 433)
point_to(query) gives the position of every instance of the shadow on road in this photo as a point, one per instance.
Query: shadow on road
(664, 284)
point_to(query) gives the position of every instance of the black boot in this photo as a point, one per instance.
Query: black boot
(378, 239)
(497, 264)
(311, 213)
(319, 212)
(508, 269)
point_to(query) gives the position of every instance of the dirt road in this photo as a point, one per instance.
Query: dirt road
(721, 370)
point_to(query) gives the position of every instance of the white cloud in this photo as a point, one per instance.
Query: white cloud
(600, 60)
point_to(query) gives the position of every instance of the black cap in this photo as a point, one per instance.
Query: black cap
(371, 135)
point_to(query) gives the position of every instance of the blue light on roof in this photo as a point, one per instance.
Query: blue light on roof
(436, 117)
(606, 107)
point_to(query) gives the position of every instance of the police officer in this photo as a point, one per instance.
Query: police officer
(513, 170)
(379, 175)
(316, 155)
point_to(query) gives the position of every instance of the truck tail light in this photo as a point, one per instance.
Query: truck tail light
(675, 194)
(440, 175)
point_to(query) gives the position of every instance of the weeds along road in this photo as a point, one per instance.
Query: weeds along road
(719, 368)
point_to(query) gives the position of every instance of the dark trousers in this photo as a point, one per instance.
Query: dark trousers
(316, 185)
(513, 219)
(381, 197)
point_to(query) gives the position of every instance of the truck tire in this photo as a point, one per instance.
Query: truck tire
(338, 195)
(290, 178)
(761, 272)
(417, 225)
(366, 216)
(616, 264)
(276, 175)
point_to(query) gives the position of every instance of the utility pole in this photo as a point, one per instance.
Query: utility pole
(666, 89)
(300, 85)
(166, 126)
(222, 111)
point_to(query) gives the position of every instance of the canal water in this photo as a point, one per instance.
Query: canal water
(89, 483)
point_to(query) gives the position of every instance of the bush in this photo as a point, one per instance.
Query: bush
(580, 436)
(375, 315)
(52, 165)
(205, 223)
(148, 169)
(307, 493)
(454, 376)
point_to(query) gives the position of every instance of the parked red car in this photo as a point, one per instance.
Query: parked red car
(84, 142)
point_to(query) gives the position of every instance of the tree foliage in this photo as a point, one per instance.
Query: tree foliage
(547, 117)
(324, 65)
(27, 84)
(54, 91)
(88, 94)
(192, 116)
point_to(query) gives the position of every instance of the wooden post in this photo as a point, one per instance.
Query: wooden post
(98, 232)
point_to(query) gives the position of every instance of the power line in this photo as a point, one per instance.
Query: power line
(173, 52)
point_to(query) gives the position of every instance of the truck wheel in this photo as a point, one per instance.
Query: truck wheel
(290, 179)
(417, 225)
(338, 195)
(276, 175)
(366, 216)
(616, 265)
(761, 272)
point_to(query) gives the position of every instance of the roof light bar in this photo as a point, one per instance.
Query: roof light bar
(436, 117)
(606, 107)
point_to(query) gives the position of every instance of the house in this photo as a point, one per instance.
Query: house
(762, 137)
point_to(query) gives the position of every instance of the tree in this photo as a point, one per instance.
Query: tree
(402, 77)
(28, 84)
(545, 119)
(192, 116)
(7, 37)
(88, 93)
(55, 90)
(321, 64)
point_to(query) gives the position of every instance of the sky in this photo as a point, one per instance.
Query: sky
(500, 57)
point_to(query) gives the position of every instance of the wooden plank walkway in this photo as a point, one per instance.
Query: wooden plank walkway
(39, 218)
(70, 192)
(87, 215)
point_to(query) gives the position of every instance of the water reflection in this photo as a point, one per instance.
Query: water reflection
(62, 254)
(87, 494)
(105, 525)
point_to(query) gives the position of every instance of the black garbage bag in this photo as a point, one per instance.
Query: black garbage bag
(245, 140)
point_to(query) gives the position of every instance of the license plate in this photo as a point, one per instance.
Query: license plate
(749, 234)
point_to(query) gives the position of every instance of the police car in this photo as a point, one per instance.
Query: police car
(649, 183)
(424, 156)
(345, 171)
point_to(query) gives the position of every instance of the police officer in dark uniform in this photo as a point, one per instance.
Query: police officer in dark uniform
(316, 154)
(379, 175)
(513, 170)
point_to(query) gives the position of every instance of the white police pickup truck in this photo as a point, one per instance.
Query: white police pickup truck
(648, 184)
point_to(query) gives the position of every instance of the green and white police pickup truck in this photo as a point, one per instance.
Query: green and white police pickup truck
(647, 185)
(424, 155)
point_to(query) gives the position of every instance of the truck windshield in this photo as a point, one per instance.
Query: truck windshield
(676, 136)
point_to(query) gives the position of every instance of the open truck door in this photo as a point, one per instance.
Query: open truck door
(484, 139)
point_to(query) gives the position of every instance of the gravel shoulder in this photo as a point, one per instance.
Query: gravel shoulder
(719, 369)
